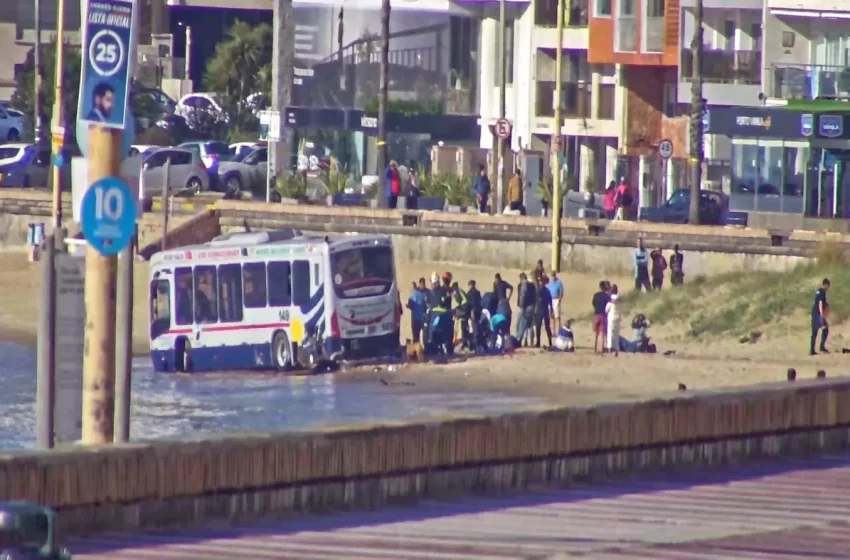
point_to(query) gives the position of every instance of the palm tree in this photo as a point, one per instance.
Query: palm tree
(382, 94)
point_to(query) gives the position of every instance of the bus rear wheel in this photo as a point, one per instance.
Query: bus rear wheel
(281, 352)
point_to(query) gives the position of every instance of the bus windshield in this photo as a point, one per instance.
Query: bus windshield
(364, 271)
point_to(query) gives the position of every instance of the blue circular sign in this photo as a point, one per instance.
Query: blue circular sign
(108, 216)
(107, 53)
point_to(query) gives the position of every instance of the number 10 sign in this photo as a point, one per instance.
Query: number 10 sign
(108, 62)
(108, 216)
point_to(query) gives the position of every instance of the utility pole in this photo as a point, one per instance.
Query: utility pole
(58, 125)
(382, 97)
(556, 137)
(697, 108)
(38, 108)
(99, 363)
(500, 157)
(283, 49)
(166, 172)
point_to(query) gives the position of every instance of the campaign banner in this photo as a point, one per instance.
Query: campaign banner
(108, 35)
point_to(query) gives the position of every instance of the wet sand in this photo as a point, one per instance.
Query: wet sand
(564, 378)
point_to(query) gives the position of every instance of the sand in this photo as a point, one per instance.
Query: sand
(699, 364)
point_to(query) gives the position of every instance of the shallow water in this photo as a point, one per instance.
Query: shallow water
(168, 406)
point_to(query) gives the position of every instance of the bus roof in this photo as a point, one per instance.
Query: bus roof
(232, 244)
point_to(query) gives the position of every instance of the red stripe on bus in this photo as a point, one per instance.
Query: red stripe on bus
(230, 328)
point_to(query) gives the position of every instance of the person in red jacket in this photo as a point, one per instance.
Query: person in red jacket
(393, 180)
(609, 200)
(624, 199)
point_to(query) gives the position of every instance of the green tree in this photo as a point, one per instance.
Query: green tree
(24, 96)
(241, 67)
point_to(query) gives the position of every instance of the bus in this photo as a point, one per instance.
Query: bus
(277, 300)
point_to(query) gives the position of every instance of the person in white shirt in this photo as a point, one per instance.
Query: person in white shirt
(612, 314)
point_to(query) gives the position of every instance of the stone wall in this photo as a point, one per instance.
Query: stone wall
(182, 232)
(170, 484)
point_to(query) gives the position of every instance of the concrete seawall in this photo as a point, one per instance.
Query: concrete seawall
(173, 484)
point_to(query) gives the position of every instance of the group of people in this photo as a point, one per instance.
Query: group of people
(617, 200)
(650, 267)
(606, 324)
(401, 181)
(443, 315)
(516, 196)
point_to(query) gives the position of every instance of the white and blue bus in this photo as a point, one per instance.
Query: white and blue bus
(273, 300)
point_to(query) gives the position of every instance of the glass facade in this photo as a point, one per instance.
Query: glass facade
(792, 177)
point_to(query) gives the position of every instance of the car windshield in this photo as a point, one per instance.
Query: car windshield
(363, 271)
(8, 153)
(18, 530)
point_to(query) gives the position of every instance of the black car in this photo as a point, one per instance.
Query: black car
(677, 209)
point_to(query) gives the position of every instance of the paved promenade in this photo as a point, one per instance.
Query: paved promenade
(795, 510)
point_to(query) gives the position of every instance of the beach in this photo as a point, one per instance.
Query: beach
(699, 363)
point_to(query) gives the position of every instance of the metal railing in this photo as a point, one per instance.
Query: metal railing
(724, 67)
(809, 81)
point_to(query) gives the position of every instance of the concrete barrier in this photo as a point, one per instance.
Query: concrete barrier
(172, 484)
(200, 228)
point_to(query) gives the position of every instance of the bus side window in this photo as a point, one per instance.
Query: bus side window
(254, 284)
(184, 301)
(206, 299)
(280, 284)
(160, 307)
(230, 293)
(301, 282)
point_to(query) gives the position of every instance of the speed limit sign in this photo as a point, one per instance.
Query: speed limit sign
(503, 129)
(665, 149)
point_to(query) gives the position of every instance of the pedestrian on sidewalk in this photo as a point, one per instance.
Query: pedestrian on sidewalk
(612, 318)
(641, 258)
(482, 188)
(556, 289)
(659, 265)
(599, 303)
(820, 312)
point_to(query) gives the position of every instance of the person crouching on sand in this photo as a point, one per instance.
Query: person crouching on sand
(600, 300)
(612, 319)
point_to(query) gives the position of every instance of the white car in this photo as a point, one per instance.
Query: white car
(236, 175)
(141, 149)
(241, 149)
(187, 171)
(11, 126)
(196, 106)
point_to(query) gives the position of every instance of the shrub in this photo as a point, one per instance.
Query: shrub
(293, 186)
(335, 178)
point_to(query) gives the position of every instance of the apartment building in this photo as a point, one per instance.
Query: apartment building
(641, 37)
(590, 95)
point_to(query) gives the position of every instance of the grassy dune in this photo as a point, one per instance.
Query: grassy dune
(743, 302)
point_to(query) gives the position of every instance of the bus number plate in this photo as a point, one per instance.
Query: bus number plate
(284, 315)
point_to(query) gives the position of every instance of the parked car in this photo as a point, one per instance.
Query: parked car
(10, 126)
(32, 170)
(211, 154)
(187, 171)
(28, 532)
(235, 176)
(240, 150)
(15, 155)
(712, 208)
(197, 106)
(140, 150)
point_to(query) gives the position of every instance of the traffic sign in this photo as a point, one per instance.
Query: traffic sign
(108, 216)
(665, 149)
(503, 129)
(109, 35)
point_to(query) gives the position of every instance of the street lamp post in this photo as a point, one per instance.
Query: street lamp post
(58, 124)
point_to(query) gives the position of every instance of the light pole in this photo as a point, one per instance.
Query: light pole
(58, 124)
(556, 167)
(500, 154)
(38, 102)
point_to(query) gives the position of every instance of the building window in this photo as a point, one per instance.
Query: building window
(602, 8)
(672, 107)
(655, 8)
(607, 101)
(626, 27)
(729, 29)
(755, 33)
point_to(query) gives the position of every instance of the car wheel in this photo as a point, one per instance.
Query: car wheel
(13, 136)
(281, 352)
(195, 185)
(233, 183)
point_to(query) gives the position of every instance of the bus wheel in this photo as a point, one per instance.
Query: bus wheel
(281, 352)
(183, 356)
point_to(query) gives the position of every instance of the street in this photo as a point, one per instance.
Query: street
(792, 510)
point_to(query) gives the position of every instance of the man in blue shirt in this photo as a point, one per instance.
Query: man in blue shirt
(820, 311)
(416, 304)
(641, 267)
(482, 188)
(556, 288)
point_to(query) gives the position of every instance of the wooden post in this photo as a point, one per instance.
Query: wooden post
(99, 354)
(166, 172)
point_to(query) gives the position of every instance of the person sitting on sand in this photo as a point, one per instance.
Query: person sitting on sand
(612, 320)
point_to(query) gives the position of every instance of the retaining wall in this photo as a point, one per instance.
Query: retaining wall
(173, 484)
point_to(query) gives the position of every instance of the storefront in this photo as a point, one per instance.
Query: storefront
(787, 160)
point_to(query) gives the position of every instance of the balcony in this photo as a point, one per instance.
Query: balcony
(575, 100)
(546, 13)
(724, 67)
(809, 81)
